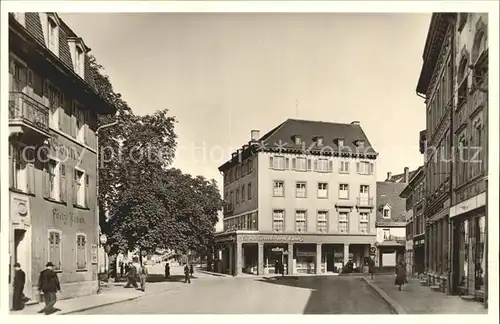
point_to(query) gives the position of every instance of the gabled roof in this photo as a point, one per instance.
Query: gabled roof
(388, 194)
(400, 177)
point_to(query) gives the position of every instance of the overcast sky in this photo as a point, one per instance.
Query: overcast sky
(225, 74)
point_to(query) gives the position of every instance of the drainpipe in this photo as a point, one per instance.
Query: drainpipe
(97, 197)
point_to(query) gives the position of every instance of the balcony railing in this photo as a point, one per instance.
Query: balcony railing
(28, 110)
(395, 238)
(365, 202)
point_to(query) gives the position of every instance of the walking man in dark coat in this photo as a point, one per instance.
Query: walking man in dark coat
(131, 276)
(191, 269)
(49, 285)
(18, 285)
(400, 275)
(186, 274)
(167, 270)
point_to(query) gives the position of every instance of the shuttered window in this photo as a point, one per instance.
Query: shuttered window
(55, 249)
(81, 249)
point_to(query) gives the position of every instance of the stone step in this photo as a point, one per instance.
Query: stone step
(468, 297)
(435, 288)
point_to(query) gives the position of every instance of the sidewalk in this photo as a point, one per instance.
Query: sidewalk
(417, 299)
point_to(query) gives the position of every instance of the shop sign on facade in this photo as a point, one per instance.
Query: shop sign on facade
(273, 238)
(306, 254)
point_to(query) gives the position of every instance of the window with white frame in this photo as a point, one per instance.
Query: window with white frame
(278, 188)
(300, 220)
(343, 222)
(55, 249)
(301, 164)
(300, 190)
(322, 221)
(364, 190)
(364, 167)
(18, 169)
(363, 222)
(79, 114)
(52, 36)
(386, 212)
(278, 220)
(81, 252)
(322, 165)
(344, 167)
(278, 162)
(343, 191)
(322, 190)
(79, 61)
(79, 188)
(387, 233)
(52, 168)
(55, 102)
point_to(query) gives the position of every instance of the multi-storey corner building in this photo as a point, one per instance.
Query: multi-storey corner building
(391, 221)
(414, 194)
(454, 82)
(53, 108)
(468, 212)
(436, 86)
(303, 194)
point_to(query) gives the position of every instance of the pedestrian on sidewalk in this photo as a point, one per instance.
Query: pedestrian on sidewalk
(143, 276)
(48, 285)
(191, 270)
(18, 285)
(400, 275)
(167, 270)
(121, 269)
(131, 276)
(186, 274)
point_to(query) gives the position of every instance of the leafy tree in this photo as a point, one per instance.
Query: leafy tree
(144, 204)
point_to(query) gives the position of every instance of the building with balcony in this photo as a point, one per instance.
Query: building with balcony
(435, 85)
(390, 222)
(414, 195)
(302, 195)
(468, 213)
(53, 109)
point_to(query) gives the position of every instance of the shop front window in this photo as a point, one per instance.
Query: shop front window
(480, 265)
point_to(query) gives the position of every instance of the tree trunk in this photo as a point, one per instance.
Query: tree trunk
(140, 257)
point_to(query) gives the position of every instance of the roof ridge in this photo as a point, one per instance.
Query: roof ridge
(322, 121)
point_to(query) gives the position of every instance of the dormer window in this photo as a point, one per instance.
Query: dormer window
(360, 143)
(297, 139)
(340, 142)
(386, 212)
(79, 61)
(52, 36)
(319, 140)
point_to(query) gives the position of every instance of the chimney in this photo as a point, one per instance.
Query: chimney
(406, 175)
(254, 135)
(356, 122)
(389, 175)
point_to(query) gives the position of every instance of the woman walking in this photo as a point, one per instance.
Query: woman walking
(400, 275)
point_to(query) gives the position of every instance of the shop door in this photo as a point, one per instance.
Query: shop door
(22, 255)
(330, 261)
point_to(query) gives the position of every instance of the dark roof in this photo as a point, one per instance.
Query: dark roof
(400, 177)
(388, 193)
(33, 27)
(281, 138)
(415, 178)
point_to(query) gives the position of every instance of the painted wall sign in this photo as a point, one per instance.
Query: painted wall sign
(64, 152)
(306, 254)
(67, 219)
(273, 238)
(93, 253)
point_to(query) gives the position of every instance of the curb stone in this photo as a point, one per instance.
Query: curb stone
(394, 305)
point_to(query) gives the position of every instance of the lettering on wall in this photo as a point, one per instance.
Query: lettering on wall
(66, 219)
(64, 152)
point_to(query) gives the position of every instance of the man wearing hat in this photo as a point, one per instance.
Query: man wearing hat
(18, 285)
(48, 284)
